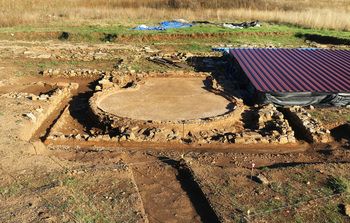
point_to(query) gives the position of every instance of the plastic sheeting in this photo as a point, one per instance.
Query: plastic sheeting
(242, 25)
(164, 26)
(232, 25)
(305, 98)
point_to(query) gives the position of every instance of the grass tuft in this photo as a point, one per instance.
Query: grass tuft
(339, 184)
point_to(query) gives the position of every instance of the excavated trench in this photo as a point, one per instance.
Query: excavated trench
(183, 197)
(171, 185)
(74, 105)
(196, 195)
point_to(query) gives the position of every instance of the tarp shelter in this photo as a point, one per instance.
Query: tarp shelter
(292, 76)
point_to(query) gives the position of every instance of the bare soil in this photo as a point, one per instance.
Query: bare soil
(133, 182)
(167, 99)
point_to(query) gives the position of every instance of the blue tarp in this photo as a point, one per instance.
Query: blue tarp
(164, 26)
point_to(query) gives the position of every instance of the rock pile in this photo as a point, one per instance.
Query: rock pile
(120, 79)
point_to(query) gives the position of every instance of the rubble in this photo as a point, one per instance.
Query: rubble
(20, 95)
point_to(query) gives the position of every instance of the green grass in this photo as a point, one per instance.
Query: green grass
(97, 33)
(20, 73)
(334, 116)
(24, 64)
(11, 190)
(339, 184)
(36, 66)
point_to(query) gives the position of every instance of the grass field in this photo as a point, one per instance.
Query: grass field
(322, 14)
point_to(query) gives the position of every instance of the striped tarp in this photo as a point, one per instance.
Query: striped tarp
(296, 70)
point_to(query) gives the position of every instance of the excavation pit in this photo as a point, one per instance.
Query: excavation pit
(165, 103)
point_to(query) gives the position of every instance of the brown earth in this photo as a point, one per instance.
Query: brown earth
(132, 182)
(167, 99)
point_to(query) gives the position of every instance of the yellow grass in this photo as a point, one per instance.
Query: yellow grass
(318, 14)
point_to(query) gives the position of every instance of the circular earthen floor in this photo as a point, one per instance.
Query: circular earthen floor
(167, 99)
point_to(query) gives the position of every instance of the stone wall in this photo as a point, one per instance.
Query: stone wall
(85, 73)
(271, 128)
(310, 127)
(123, 123)
(199, 130)
(54, 101)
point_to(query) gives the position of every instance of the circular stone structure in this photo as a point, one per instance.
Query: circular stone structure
(167, 99)
(165, 102)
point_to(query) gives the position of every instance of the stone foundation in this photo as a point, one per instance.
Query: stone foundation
(201, 130)
(271, 128)
(310, 127)
(54, 101)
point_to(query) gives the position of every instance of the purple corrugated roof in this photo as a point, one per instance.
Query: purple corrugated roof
(295, 70)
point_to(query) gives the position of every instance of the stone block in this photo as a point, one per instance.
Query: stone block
(347, 209)
(283, 139)
(239, 140)
(122, 138)
(291, 139)
(31, 117)
(251, 135)
(262, 179)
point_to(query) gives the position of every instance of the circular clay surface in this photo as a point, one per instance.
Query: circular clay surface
(167, 99)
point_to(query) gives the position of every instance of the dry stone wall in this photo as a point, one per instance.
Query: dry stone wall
(271, 128)
(85, 73)
(202, 130)
(54, 101)
(310, 127)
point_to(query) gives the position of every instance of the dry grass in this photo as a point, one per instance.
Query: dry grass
(318, 14)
